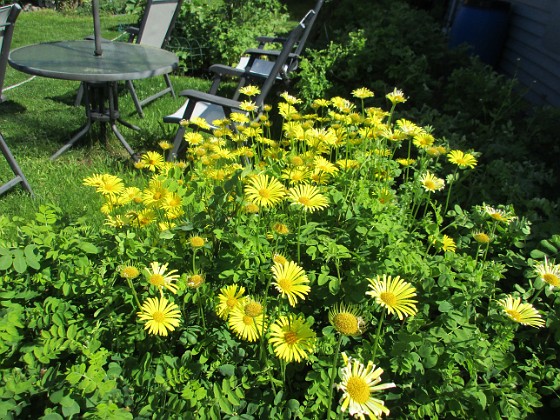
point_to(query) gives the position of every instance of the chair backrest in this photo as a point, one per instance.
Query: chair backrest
(311, 21)
(8, 16)
(158, 22)
(281, 61)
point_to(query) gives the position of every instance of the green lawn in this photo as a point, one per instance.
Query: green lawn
(39, 117)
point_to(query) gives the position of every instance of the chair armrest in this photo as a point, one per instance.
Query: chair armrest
(223, 70)
(132, 33)
(267, 53)
(269, 40)
(198, 96)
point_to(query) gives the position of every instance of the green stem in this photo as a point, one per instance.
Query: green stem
(200, 308)
(377, 336)
(133, 292)
(299, 238)
(333, 375)
(194, 261)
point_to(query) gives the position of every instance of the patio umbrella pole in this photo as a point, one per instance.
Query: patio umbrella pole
(96, 28)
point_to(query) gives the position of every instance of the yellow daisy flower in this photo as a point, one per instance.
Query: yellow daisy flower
(423, 140)
(523, 313)
(197, 241)
(549, 273)
(307, 197)
(396, 96)
(152, 160)
(291, 281)
(161, 316)
(280, 228)
(264, 191)
(448, 244)
(161, 278)
(461, 159)
(292, 338)
(246, 320)
(229, 298)
(362, 93)
(481, 237)
(358, 384)
(195, 280)
(347, 319)
(129, 272)
(105, 184)
(165, 145)
(498, 214)
(249, 90)
(394, 294)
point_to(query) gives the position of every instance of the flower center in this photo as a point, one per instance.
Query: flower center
(197, 242)
(388, 298)
(130, 272)
(516, 316)
(158, 316)
(304, 200)
(482, 238)
(247, 320)
(346, 323)
(358, 389)
(253, 309)
(195, 280)
(285, 284)
(551, 279)
(231, 302)
(290, 337)
(264, 193)
(157, 280)
(431, 185)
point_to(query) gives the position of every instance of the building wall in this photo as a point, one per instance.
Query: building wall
(532, 49)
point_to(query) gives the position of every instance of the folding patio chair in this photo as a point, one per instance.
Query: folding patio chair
(19, 176)
(155, 30)
(8, 16)
(262, 66)
(211, 106)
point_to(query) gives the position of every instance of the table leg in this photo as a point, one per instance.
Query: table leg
(83, 130)
(101, 105)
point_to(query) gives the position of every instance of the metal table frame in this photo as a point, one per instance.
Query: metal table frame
(75, 60)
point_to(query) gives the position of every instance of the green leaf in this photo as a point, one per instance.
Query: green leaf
(31, 258)
(6, 261)
(88, 248)
(227, 370)
(20, 264)
(69, 406)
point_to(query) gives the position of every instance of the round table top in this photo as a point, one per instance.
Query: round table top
(75, 60)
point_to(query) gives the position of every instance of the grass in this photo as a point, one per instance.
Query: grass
(39, 117)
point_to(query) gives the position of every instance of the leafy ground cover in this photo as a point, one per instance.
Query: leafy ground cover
(325, 270)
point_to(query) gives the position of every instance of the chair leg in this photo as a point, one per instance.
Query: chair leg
(20, 177)
(135, 99)
(178, 143)
(169, 85)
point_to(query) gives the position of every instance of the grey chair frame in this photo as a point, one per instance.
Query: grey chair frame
(152, 32)
(295, 56)
(149, 33)
(228, 105)
(8, 16)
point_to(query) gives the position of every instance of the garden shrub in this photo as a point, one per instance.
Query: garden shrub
(251, 279)
(207, 33)
(467, 102)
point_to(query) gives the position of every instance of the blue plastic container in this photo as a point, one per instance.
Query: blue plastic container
(483, 25)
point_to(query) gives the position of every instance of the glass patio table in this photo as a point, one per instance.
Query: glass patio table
(75, 60)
